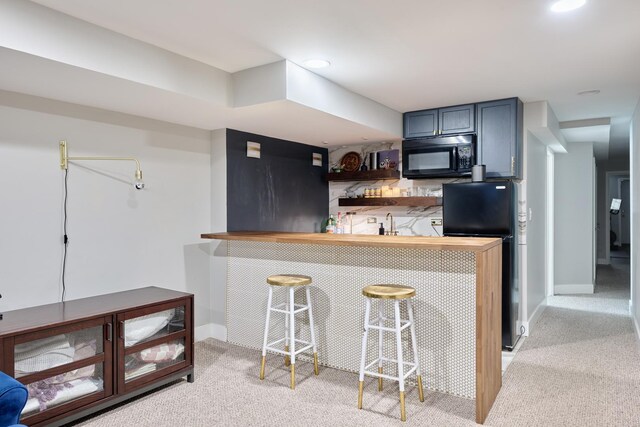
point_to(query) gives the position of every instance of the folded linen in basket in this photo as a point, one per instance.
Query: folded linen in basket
(72, 390)
(43, 355)
(139, 370)
(35, 348)
(143, 327)
(161, 353)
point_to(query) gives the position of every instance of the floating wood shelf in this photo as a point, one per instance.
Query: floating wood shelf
(372, 175)
(391, 201)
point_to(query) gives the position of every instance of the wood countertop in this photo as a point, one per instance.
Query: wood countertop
(471, 244)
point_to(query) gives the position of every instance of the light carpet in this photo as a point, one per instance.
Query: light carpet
(580, 366)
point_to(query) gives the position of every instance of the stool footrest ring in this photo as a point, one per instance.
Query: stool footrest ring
(413, 366)
(297, 308)
(307, 345)
(384, 328)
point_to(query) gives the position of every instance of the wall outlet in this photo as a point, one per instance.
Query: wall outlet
(372, 220)
(436, 221)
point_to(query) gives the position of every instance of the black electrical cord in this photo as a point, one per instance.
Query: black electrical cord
(65, 240)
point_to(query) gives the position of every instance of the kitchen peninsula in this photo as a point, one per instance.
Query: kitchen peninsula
(457, 304)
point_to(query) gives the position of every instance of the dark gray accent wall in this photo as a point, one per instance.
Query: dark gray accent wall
(281, 191)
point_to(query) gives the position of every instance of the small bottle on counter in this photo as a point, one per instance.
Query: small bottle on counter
(331, 225)
(339, 227)
(381, 229)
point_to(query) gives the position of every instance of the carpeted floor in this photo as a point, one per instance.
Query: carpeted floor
(580, 366)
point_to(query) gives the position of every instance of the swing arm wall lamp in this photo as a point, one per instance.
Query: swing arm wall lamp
(64, 163)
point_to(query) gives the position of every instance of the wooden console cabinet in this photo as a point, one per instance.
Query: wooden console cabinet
(82, 356)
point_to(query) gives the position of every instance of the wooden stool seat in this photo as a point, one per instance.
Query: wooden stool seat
(288, 280)
(389, 291)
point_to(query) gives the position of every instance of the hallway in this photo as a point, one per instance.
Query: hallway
(581, 364)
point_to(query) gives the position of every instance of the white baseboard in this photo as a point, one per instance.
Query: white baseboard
(534, 317)
(574, 289)
(603, 261)
(210, 330)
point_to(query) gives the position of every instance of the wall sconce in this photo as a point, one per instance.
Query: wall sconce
(64, 163)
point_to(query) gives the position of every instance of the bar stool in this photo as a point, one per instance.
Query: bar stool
(396, 293)
(290, 309)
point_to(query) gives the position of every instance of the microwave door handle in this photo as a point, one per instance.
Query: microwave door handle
(454, 159)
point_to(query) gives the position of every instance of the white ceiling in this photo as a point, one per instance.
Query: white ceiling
(409, 55)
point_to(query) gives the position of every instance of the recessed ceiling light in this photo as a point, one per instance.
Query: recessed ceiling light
(364, 138)
(589, 92)
(567, 5)
(325, 142)
(317, 63)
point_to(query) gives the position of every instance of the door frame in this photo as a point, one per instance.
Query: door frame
(607, 220)
(620, 221)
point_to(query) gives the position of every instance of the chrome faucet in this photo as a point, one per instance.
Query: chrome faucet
(392, 231)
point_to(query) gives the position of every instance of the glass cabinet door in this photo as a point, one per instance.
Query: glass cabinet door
(64, 365)
(152, 343)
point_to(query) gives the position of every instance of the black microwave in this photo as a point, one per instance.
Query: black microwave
(446, 156)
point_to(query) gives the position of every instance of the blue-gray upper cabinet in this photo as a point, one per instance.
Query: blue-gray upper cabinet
(418, 124)
(458, 119)
(500, 137)
(440, 121)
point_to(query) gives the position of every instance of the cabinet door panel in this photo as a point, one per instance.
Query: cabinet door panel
(153, 342)
(459, 119)
(70, 368)
(418, 124)
(497, 137)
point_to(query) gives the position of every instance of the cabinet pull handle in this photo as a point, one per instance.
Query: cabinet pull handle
(109, 331)
(435, 132)
(121, 330)
(513, 165)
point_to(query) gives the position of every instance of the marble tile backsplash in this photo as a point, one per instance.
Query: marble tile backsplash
(409, 221)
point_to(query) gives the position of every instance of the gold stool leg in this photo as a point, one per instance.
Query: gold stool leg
(360, 391)
(315, 363)
(287, 359)
(293, 377)
(403, 414)
(380, 379)
(264, 358)
(420, 392)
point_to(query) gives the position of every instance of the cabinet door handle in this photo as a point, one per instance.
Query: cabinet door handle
(435, 132)
(513, 165)
(109, 331)
(121, 330)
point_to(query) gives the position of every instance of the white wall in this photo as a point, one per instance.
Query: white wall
(536, 207)
(574, 225)
(635, 216)
(119, 238)
(218, 248)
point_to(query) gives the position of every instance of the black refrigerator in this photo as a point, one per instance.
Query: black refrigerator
(489, 209)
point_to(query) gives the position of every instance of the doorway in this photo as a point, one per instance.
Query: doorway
(621, 245)
(617, 185)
